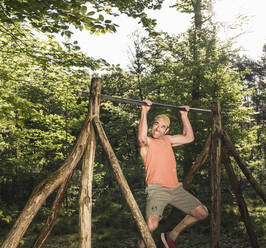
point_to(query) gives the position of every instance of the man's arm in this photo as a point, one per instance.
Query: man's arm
(143, 125)
(188, 135)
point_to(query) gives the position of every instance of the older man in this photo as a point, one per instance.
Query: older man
(162, 185)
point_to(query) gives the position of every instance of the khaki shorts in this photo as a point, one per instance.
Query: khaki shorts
(158, 197)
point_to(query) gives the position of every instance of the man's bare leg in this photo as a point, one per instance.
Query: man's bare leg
(197, 214)
(152, 223)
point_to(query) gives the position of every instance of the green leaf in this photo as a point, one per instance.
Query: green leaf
(83, 9)
(91, 13)
(101, 18)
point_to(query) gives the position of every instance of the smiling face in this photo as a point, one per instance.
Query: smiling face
(159, 127)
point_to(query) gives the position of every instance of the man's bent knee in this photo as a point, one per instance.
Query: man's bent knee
(205, 212)
(200, 212)
(153, 222)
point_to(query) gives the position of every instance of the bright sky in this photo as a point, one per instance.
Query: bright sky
(114, 47)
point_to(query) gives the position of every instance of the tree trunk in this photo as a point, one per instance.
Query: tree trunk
(198, 163)
(240, 199)
(122, 182)
(46, 187)
(216, 176)
(85, 200)
(243, 166)
(197, 8)
(46, 230)
(197, 73)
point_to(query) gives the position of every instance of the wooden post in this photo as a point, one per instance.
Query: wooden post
(122, 182)
(239, 197)
(230, 146)
(198, 163)
(45, 188)
(85, 200)
(46, 230)
(216, 176)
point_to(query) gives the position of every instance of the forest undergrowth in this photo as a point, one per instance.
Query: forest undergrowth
(114, 226)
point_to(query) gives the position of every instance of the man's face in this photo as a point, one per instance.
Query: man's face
(159, 128)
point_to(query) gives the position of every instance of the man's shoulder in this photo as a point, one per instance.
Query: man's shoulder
(167, 138)
(145, 143)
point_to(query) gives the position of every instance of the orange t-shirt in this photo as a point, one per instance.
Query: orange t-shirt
(160, 163)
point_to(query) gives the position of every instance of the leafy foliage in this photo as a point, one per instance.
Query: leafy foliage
(40, 117)
(57, 16)
(43, 101)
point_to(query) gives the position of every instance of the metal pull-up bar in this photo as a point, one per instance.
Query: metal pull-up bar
(159, 105)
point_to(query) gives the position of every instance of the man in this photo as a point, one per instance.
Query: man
(162, 183)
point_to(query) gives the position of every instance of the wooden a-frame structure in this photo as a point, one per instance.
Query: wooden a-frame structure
(218, 145)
